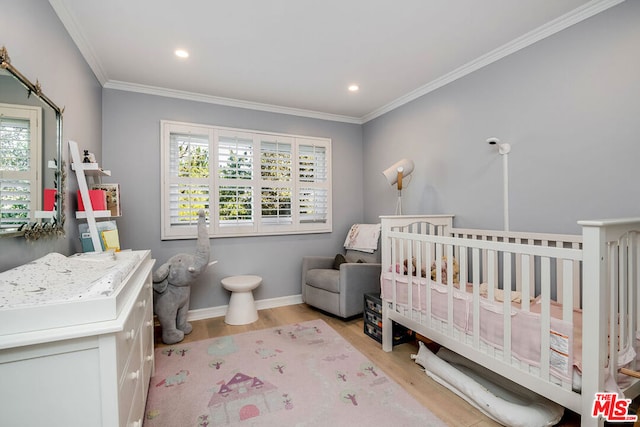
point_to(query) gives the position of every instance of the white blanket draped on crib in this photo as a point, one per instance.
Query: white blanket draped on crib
(363, 238)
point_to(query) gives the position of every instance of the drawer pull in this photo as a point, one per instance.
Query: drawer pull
(131, 334)
(149, 358)
(148, 323)
(137, 423)
(135, 375)
(142, 304)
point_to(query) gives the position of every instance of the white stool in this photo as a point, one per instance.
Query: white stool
(242, 308)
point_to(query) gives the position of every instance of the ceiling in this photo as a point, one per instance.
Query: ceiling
(299, 56)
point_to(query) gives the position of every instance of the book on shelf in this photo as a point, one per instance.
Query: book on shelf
(49, 202)
(113, 197)
(108, 233)
(98, 199)
(110, 240)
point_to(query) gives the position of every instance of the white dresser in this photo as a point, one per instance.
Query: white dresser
(91, 367)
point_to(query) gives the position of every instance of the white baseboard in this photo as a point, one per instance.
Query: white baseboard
(210, 312)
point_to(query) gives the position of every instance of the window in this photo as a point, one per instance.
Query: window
(20, 188)
(250, 183)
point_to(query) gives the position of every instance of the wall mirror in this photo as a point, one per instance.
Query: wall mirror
(31, 170)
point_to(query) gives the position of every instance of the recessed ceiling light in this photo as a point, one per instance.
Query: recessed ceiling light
(181, 53)
(354, 88)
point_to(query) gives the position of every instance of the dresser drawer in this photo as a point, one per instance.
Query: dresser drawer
(373, 302)
(126, 338)
(137, 409)
(125, 342)
(146, 335)
(373, 318)
(130, 381)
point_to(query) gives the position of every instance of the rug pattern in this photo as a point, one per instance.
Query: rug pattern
(304, 374)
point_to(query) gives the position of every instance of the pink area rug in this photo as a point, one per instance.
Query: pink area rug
(304, 374)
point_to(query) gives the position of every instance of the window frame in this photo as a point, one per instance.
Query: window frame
(257, 226)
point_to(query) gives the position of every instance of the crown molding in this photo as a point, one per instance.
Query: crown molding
(72, 27)
(229, 102)
(552, 27)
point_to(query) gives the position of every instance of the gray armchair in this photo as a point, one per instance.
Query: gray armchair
(340, 291)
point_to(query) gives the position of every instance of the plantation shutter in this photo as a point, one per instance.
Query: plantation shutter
(276, 187)
(313, 176)
(19, 156)
(189, 177)
(236, 181)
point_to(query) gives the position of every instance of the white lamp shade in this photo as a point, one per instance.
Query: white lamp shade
(405, 166)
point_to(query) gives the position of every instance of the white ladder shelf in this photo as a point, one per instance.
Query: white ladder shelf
(83, 170)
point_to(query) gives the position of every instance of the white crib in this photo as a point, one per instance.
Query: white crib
(564, 294)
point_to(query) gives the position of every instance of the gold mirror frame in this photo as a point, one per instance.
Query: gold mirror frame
(40, 228)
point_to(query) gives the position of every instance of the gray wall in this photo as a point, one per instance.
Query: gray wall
(41, 49)
(569, 105)
(131, 150)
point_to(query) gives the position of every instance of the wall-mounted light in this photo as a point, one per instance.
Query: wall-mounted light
(395, 175)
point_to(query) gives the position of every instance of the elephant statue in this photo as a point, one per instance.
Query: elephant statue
(171, 286)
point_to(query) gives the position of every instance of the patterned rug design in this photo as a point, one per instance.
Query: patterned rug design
(303, 374)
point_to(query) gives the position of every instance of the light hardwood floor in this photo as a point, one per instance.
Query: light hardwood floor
(397, 364)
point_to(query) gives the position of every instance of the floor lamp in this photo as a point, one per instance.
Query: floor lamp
(395, 174)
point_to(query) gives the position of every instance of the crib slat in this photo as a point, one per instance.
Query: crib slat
(419, 261)
(577, 303)
(518, 259)
(475, 254)
(613, 317)
(545, 315)
(397, 246)
(449, 268)
(439, 261)
(428, 257)
(491, 276)
(462, 262)
(622, 293)
(485, 265)
(506, 305)
(559, 282)
(567, 287)
(438, 264)
(526, 282)
(410, 277)
(633, 291)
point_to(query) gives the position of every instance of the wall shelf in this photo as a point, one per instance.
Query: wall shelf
(83, 170)
(45, 214)
(96, 214)
(90, 169)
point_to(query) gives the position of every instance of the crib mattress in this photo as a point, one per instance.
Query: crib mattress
(58, 291)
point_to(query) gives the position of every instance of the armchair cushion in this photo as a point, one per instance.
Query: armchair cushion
(326, 279)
